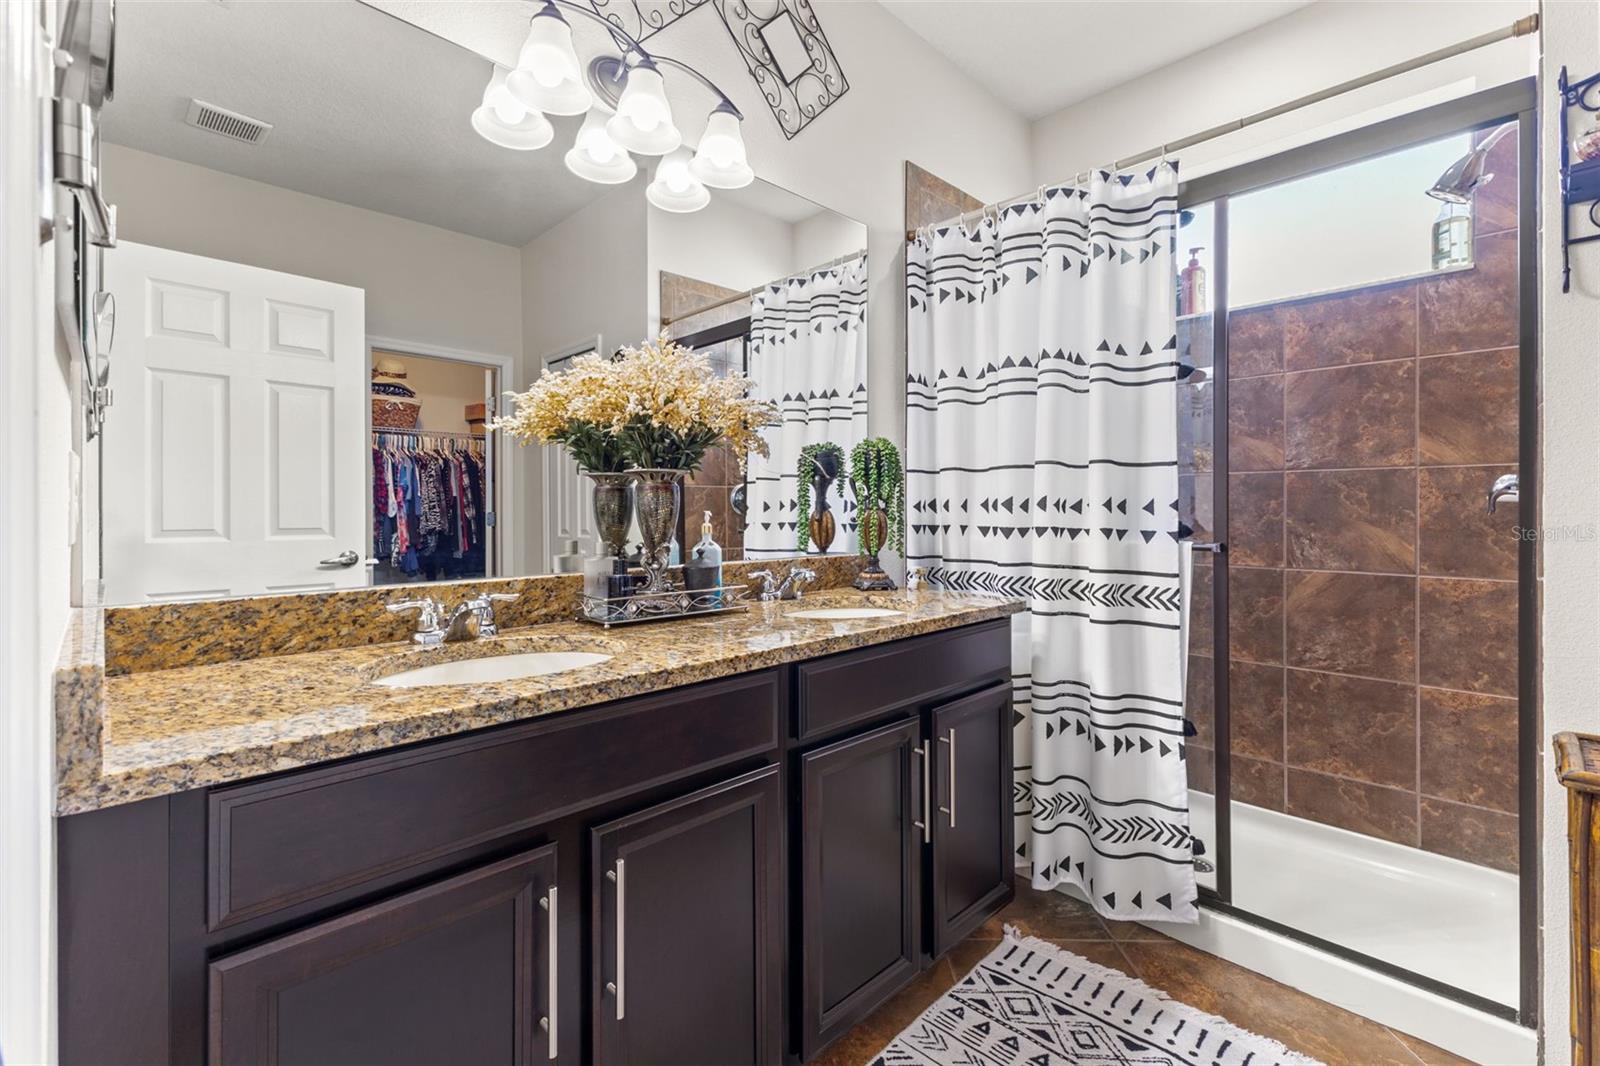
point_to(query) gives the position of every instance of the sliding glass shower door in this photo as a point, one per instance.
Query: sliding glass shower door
(1354, 338)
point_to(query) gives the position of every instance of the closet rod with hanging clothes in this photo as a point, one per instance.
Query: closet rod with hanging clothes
(1520, 28)
(838, 260)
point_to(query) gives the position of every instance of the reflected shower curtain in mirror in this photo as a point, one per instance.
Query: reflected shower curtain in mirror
(808, 354)
(1042, 464)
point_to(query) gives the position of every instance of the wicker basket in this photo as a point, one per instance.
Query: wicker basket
(394, 412)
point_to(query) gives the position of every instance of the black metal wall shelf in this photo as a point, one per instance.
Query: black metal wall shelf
(1580, 180)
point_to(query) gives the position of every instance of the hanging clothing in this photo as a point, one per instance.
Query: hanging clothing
(429, 518)
(808, 354)
(1042, 462)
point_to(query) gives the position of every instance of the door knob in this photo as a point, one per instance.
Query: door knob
(1504, 488)
(344, 558)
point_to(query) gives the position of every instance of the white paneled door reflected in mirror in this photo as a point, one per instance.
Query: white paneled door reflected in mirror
(328, 278)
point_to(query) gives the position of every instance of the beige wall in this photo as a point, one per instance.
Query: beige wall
(906, 101)
(424, 285)
(586, 275)
(1569, 501)
(1316, 47)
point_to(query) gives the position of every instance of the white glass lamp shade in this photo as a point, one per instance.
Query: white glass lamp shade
(596, 157)
(643, 122)
(675, 187)
(547, 77)
(720, 161)
(502, 119)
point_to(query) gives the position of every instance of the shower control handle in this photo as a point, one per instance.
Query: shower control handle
(1214, 547)
(1504, 488)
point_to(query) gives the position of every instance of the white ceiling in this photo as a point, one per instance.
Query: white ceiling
(367, 110)
(1038, 56)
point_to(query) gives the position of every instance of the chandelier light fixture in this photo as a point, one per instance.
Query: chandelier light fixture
(623, 99)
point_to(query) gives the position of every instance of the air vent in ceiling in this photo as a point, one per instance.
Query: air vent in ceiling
(229, 124)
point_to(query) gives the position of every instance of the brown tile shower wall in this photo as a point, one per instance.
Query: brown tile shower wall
(1372, 654)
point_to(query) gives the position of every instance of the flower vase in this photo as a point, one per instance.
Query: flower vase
(821, 522)
(612, 498)
(657, 495)
(872, 577)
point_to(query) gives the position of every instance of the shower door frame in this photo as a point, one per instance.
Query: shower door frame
(1511, 102)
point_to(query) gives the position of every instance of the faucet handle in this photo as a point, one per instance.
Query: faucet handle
(429, 611)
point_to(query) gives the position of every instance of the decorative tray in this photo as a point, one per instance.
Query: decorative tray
(663, 606)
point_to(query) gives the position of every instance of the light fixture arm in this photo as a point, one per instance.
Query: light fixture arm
(627, 43)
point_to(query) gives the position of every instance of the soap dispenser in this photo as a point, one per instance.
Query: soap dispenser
(709, 552)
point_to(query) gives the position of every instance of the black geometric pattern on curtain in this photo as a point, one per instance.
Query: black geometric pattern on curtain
(808, 355)
(1042, 464)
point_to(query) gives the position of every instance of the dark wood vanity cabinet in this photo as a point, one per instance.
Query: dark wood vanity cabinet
(861, 876)
(687, 920)
(972, 823)
(906, 827)
(725, 873)
(457, 971)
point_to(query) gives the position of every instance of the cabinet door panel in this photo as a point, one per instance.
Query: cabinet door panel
(688, 928)
(453, 972)
(972, 820)
(861, 882)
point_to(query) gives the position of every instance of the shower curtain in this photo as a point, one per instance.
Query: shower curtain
(808, 354)
(1042, 464)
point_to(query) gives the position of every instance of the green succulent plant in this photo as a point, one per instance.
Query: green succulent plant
(824, 457)
(879, 481)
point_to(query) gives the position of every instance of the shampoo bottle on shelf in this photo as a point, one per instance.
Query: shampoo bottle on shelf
(710, 551)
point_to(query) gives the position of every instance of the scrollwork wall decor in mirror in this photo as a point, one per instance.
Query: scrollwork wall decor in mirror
(789, 57)
(642, 19)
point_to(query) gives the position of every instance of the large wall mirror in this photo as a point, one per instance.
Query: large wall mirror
(326, 281)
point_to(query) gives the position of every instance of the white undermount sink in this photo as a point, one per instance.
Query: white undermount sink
(494, 668)
(845, 614)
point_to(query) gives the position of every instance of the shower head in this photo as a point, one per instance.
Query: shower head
(1467, 174)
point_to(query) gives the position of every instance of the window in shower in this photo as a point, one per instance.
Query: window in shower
(1354, 651)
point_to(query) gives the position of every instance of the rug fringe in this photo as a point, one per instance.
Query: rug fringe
(1286, 1056)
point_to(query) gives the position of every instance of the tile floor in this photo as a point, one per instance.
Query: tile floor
(1203, 981)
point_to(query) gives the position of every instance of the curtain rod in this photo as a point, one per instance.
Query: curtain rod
(837, 260)
(1520, 28)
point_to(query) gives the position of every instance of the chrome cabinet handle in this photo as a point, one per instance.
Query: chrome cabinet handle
(922, 757)
(951, 810)
(548, 1022)
(344, 558)
(619, 987)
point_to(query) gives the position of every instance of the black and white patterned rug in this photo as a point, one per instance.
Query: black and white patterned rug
(1029, 1003)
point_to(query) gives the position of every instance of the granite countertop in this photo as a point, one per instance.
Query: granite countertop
(154, 733)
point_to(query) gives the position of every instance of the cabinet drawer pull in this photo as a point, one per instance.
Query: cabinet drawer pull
(922, 758)
(951, 810)
(552, 947)
(619, 987)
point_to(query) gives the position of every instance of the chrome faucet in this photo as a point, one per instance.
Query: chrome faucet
(787, 589)
(429, 612)
(469, 621)
(1504, 488)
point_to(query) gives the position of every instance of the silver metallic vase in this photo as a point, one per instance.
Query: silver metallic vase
(657, 494)
(613, 507)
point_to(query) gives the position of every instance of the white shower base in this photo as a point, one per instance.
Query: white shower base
(1433, 915)
(1440, 917)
